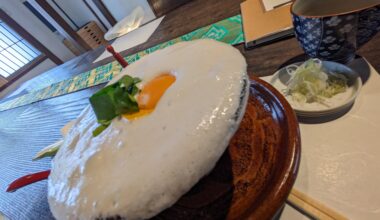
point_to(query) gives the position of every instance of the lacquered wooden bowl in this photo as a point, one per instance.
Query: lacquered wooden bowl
(255, 175)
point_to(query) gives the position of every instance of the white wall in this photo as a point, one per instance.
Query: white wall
(25, 18)
(100, 15)
(77, 11)
(121, 8)
(80, 14)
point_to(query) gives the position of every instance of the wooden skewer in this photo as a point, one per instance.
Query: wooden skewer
(117, 56)
(313, 207)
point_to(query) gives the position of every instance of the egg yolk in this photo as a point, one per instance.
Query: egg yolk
(151, 94)
(152, 91)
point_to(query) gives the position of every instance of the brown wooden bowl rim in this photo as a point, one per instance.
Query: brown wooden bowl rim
(276, 199)
(330, 15)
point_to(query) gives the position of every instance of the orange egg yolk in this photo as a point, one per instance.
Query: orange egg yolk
(151, 94)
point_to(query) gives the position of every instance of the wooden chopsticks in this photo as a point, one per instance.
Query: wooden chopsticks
(312, 207)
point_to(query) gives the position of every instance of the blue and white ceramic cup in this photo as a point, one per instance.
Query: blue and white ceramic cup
(333, 30)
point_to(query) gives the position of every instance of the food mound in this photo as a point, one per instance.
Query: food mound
(151, 134)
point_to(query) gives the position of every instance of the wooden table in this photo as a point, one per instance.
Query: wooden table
(37, 125)
(261, 61)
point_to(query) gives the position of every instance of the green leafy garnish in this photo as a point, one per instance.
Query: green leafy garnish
(100, 128)
(114, 100)
(48, 151)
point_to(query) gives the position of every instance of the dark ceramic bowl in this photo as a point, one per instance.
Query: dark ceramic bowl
(334, 30)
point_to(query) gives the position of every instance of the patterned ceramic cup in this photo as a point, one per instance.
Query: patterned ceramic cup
(333, 30)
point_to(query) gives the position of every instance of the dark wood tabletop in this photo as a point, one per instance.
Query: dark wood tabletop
(27, 129)
(264, 60)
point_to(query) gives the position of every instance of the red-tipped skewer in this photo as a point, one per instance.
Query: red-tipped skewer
(28, 179)
(117, 56)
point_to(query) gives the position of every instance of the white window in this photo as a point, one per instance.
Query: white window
(15, 52)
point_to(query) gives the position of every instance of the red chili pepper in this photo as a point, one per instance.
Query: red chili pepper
(117, 56)
(28, 179)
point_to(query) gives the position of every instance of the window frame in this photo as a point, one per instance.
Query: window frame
(45, 53)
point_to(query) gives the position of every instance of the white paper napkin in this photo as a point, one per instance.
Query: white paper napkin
(133, 38)
(271, 4)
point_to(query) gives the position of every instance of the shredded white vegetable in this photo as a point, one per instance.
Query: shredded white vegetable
(310, 83)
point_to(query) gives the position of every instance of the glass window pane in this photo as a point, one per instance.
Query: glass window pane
(36, 52)
(10, 30)
(3, 45)
(7, 59)
(14, 50)
(8, 34)
(12, 56)
(23, 52)
(5, 39)
(5, 67)
(3, 73)
(27, 49)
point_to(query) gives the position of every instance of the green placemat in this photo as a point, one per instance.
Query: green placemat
(228, 30)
